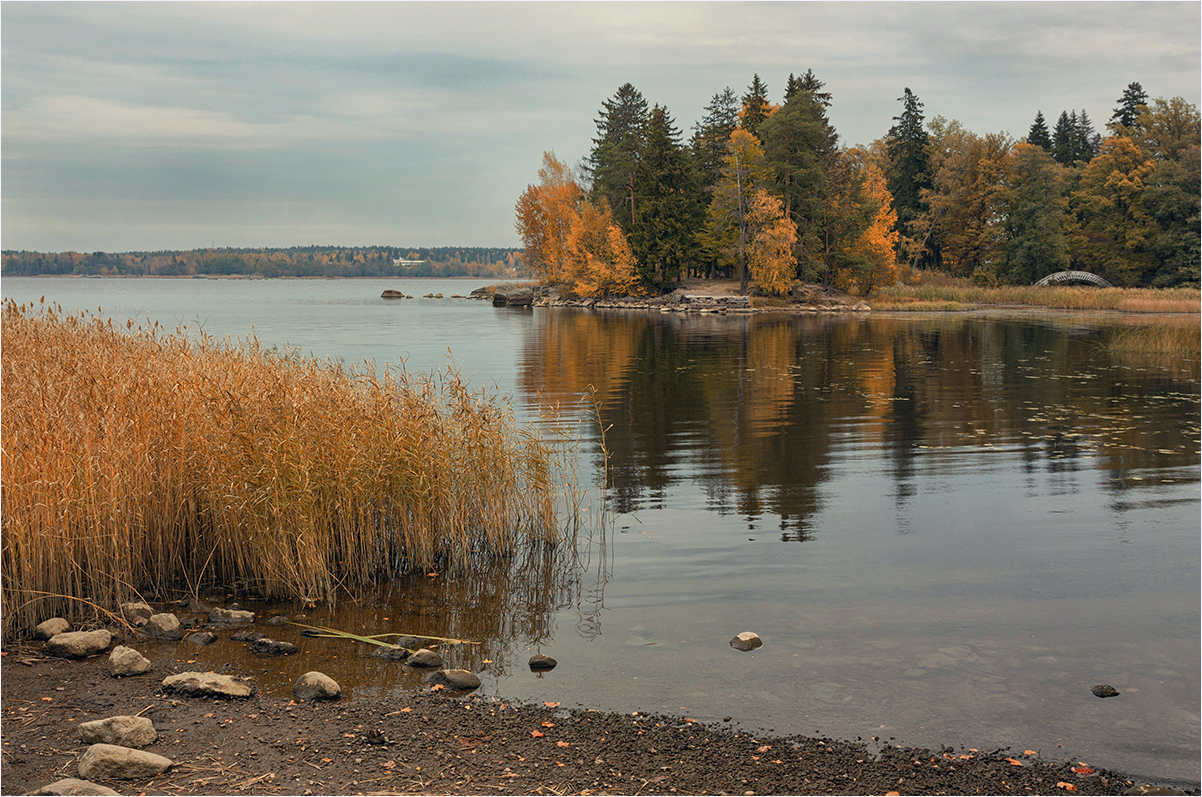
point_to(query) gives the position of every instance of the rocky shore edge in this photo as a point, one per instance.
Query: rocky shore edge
(78, 721)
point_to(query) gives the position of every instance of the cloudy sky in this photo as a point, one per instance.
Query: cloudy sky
(142, 126)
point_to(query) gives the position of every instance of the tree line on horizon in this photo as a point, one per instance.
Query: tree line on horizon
(765, 192)
(295, 261)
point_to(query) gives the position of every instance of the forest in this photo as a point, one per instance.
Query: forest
(766, 193)
(296, 261)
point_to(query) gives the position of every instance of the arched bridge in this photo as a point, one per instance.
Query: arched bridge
(1074, 278)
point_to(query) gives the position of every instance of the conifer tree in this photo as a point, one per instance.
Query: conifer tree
(908, 174)
(710, 135)
(755, 106)
(613, 162)
(1133, 102)
(1064, 138)
(1039, 135)
(670, 208)
(1087, 140)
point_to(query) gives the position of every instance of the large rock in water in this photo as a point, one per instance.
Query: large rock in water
(136, 613)
(541, 662)
(748, 640)
(513, 296)
(120, 730)
(315, 685)
(163, 626)
(206, 684)
(78, 644)
(458, 680)
(74, 786)
(272, 647)
(426, 658)
(127, 661)
(110, 761)
(231, 617)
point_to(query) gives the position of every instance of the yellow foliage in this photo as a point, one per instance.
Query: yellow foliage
(770, 250)
(878, 244)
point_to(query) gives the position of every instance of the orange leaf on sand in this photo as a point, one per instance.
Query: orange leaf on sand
(1066, 786)
(1083, 770)
(1030, 752)
(537, 734)
(551, 705)
(437, 688)
(1015, 761)
(764, 748)
(561, 744)
(548, 724)
(893, 794)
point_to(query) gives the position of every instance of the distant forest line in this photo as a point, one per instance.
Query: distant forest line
(296, 261)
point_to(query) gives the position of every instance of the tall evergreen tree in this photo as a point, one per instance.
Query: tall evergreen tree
(908, 172)
(1131, 105)
(809, 83)
(1088, 141)
(710, 135)
(613, 162)
(1064, 138)
(1039, 135)
(670, 212)
(755, 106)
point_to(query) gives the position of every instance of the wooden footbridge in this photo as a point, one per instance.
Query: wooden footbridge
(1074, 278)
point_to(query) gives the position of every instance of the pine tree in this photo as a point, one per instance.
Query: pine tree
(755, 106)
(1087, 141)
(1133, 102)
(711, 134)
(809, 83)
(613, 162)
(670, 208)
(909, 168)
(1064, 138)
(1039, 135)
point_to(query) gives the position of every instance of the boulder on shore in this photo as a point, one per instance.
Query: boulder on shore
(110, 761)
(747, 640)
(136, 613)
(513, 296)
(231, 617)
(206, 684)
(315, 685)
(127, 661)
(163, 626)
(272, 647)
(52, 627)
(541, 662)
(424, 657)
(1104, 690)
(78, 644)
(457, 680)
(74, 786)
(120, 730)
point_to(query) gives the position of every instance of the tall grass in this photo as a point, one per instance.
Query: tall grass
(139, 462)
(940, 292)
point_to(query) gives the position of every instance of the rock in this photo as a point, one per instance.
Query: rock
(78, 644)
(120, 730)
(127, 661)
(245, 636)
(52, 627)
(231, 617)
(163, 626)
(392, 652)
(458, 680)
(74, 786)
(861, 307)
(513, 296)
(201, 638)
(392, 294)
(314, 685)
(206, 684)
(109, 761)
(541, 662)
(272, 648)
(412, 643)
(424, 657)
(135, 613)
(279, 619)
(1105, 690)
(746, 641)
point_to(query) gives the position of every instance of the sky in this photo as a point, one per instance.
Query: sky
(172, 125)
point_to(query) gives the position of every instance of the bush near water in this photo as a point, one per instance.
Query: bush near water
(140, 462)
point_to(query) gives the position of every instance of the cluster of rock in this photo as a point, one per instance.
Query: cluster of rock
(806, 298)
(115, 753)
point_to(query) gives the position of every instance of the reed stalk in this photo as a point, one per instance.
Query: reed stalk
(940, 292)
(136, 461)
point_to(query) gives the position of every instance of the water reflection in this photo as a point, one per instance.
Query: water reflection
(758, 410)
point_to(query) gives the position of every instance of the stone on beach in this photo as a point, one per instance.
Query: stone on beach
(110, 761)
(206, 684)
(541, 662)
(231, 617)
(136, 613)
(272, 647)
(315, 685)
(1105, 690)
(120, 730)
(127, 661)
(78, 644)
(163, 626)
(74, 786)
(424, 657)
(747, 640)
(50, 628)
(458, 680)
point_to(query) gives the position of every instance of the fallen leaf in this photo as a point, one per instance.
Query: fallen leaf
(548, 724)
(561, 744)
(48, 699)
(1015, 761)
(1030, 752)
(893, 794)
(1083, 770)
(777, 761)
(1066, 786)
(406, 709)
(755, 758)
(326, 760)
(431, 575)
(437, 688)
(537, 734)
(763, 749)
(551, 705)
(389, 764)
(210, 715)
(348, 736)
(487, 661)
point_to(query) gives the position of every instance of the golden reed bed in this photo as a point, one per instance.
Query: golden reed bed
(140, 462)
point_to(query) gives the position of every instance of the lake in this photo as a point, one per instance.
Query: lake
(945, 528)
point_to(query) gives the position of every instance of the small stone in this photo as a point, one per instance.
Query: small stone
(279, 619)
(245, 636)
(410, 643)
(52, 627)
(120, 730)
(78, 644)
(458, 680)
(424, 657)
(231, 616)
(110, 761)
(541, 662)
(392, 652)
(136, 613)
(201, 638)
(1105, 690)
(205, 684)
(272, 648)
(74, 786)
(163, 626)
(746, 641)
(127, 661)
(316, 686)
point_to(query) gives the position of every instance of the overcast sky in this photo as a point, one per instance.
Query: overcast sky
(143, 126)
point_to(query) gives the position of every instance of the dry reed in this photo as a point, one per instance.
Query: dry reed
(136, 462)
(934, 290)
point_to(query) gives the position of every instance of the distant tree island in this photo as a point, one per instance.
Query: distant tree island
(296, 261)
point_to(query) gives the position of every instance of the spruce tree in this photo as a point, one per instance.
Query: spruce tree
(670, 210)
(1087, 140)
(909, 169)
(613, 162)
(1064, 138)
(755, 106)
(710, 135)
(1039, 135)
(1133, 102)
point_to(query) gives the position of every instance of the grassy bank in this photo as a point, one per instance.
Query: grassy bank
(939, 292)
(136, 461)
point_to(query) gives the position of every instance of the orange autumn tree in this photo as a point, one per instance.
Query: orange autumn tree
(599, 260)
(877, 246)
(770, 249)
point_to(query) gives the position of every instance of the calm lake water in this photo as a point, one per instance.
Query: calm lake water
(946, 529)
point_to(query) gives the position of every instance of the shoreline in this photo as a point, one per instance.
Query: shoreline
(436, 742)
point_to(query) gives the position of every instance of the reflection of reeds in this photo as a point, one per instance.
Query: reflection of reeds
(1176, 347)
(135, 460)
